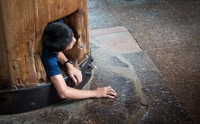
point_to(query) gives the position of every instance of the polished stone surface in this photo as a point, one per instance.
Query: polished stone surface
(97, 111)
(168, 32)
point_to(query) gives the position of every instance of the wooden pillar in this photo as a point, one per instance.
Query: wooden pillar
(22, 24)
(78, 22)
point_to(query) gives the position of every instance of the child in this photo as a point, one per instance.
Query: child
(58, 37)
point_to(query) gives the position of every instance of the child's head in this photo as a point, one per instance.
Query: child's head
(57, 36)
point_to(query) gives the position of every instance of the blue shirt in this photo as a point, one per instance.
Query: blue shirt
(60, 20)
(50, 62)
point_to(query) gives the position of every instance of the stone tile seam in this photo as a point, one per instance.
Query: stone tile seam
(96, 43)
(177, 98)
(155, 68)
(175, 10)
(134, 38)
(118, 18)
(170, 88)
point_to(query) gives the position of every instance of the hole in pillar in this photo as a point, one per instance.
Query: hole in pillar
(77, 23)
(80, 53)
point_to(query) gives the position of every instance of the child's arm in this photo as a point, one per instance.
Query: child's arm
(73, 72)
(67, 92)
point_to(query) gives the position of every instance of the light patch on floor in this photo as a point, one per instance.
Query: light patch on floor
(117, 39)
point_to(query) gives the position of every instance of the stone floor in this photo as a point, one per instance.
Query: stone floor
(148, 51)
(168, 67)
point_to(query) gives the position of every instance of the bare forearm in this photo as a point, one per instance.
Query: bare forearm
(97, 93)
(67, 92)
(72, 93)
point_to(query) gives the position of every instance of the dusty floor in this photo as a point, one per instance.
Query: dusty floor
(148, 51)
(168, 67)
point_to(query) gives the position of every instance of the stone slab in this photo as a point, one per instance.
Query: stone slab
(121, 42)
(105, 31)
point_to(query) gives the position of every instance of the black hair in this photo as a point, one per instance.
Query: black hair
(56, 36)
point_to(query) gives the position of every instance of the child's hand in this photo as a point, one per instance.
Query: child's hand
(75, 74)
(105, 92)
